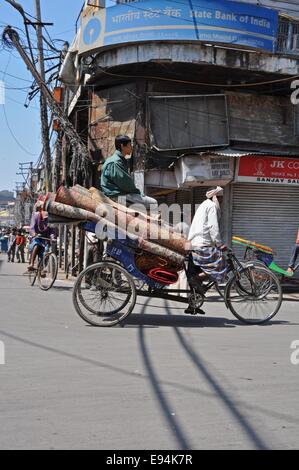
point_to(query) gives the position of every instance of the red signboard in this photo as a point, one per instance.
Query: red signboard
(274, 170)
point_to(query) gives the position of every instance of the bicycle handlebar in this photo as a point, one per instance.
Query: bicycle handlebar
(44, 238)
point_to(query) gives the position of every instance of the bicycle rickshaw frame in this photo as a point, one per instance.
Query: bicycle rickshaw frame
(122, 253)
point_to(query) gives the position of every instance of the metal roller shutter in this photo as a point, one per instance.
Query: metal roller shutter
(168, 199)
(183, 197)
(184, 200)
(267, 214)
(200, 195)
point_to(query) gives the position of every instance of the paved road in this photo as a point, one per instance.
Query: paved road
(165, 381)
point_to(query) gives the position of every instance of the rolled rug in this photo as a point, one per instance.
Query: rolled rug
(74, 213)
(81, 190)
(101, 198)
(57, 220)
(70, 212)
(124, 220)
(174, 258)
(75, 198)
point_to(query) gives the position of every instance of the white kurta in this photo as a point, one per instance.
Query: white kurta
(204, 230)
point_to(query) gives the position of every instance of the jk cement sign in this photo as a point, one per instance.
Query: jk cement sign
(220, 21)
(273, 170)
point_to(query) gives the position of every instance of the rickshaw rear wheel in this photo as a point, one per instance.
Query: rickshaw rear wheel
(254, 296)
(104, 294)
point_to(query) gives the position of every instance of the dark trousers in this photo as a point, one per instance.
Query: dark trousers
(11, 253)
(20, 254)
(294, 256)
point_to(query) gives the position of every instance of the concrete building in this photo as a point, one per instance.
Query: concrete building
(205, 90)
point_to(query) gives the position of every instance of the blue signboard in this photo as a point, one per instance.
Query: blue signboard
(218, 21)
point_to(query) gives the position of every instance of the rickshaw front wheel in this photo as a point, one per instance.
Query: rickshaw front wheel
(104, 294)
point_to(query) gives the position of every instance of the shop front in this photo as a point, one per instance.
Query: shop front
(265, 202)
(186, 185)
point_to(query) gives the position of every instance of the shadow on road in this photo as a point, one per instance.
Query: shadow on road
(62, 288)
(142, 319)
(173, 424)
(215, 385)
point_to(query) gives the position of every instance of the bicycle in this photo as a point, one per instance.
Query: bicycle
(47, 268)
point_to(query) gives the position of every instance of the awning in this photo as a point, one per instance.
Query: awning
(230, 152)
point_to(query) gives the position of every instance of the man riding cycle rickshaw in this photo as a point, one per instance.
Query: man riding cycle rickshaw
(40, 234)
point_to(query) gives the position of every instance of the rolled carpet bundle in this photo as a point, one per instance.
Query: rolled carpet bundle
(57, 220)
(124, 220)
(70, 212)
(101, 198)
(76, 214)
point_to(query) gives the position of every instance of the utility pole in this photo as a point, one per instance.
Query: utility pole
(80, 161)
(43, 101)
(25, 170)
(25, 195)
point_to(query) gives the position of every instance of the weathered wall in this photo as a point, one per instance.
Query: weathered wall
(198, 54)
(263, 119)
(113, 112)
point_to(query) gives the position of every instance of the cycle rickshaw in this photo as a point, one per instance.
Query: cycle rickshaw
(105, 293)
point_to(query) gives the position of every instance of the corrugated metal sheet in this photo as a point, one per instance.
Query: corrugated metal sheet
(267, 214)
(184, 197)
(261, 119)
(231, 152)
(186, 122)
(199, 195)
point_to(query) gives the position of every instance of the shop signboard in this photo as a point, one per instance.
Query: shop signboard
(195, 171)
(220, 21)
(268, 170)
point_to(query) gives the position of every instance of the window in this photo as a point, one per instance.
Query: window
(288, 36)
(187, 122)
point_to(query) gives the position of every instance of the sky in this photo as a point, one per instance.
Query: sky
(25, 143)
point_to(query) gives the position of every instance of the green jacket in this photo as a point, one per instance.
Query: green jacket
(115, 178)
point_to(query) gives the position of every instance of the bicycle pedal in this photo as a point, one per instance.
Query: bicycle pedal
(194, 311)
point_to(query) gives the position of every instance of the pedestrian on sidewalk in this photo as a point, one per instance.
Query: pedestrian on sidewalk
(20, 247)
(3, 242)
(12, 246)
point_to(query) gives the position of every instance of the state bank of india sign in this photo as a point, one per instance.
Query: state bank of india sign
(218, 21)
(274, 170)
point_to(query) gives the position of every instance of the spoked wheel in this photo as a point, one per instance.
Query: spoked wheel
(32, 275)
(104, 294)
(254, 296)
(47, 271)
